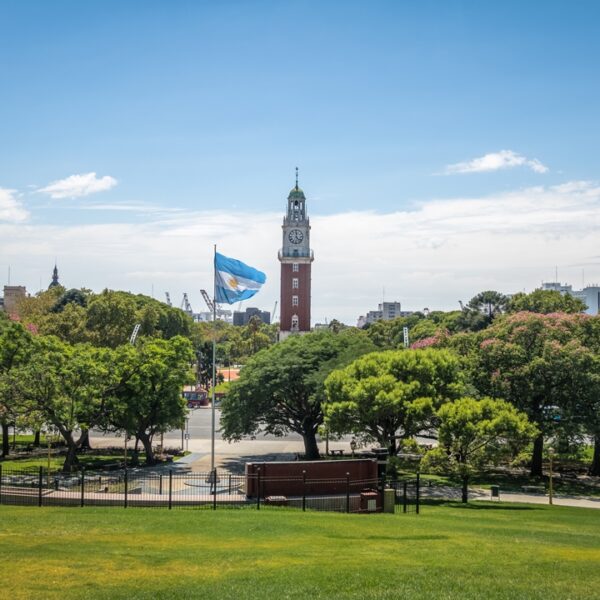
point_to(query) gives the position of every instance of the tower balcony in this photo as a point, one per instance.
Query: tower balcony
(296, 256)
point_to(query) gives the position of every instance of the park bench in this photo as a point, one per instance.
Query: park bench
(336, 452)
(533, 489)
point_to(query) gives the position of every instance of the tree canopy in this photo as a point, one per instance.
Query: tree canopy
(545, 302)
(474, 433)
(385, 396)
(281, 388)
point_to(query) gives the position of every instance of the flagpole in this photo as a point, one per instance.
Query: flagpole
(214, 364)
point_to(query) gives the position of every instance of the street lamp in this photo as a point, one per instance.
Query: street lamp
(550, 482)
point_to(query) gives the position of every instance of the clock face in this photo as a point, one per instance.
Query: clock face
(295, 236)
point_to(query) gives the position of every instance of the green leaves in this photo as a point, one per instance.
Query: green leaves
(473, 433)
(281, 388)
(389, 395)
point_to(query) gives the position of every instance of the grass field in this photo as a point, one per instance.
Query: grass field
(449, 551)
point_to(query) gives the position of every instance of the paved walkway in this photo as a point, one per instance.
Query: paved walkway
(543, 499)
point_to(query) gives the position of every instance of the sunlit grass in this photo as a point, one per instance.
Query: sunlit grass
(482, 551)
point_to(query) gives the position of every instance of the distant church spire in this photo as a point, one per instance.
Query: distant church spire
(54, 281)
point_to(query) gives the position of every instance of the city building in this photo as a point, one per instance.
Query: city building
(386, 311)
(296, 259)
(590, 294)
(241, 318)
(13, 294)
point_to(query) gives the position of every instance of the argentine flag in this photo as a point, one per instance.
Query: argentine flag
(235, 281)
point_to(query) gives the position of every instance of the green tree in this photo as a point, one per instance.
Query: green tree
(386, 396)
(545, 302)
(66, 387)
(474, 433)
(536, 362)
(481, 310)
(15, 350)
(72, 296)
(281, 388)
(147, 399)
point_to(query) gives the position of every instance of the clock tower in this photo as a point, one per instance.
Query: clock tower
(295, 257)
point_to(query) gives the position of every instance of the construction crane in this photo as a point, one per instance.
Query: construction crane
(273, 313)
(168, 297)
(460, 302)
(208, 301)
(185, 305)
(134, 334)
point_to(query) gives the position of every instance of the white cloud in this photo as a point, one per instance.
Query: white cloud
(76, 186)
(505, 159)
(11, 209)
(439, 253)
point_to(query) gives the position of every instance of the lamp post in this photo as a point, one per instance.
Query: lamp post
(550, 482)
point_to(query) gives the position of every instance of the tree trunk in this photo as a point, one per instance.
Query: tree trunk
(311, 449)
(5, 440)
(536, 458)
(147, 443)
(392, 446)
(465, 489)
(72, 446)
(36, 439)
(595, 466)
(85, 439)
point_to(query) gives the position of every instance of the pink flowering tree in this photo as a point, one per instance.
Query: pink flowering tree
(539, 363)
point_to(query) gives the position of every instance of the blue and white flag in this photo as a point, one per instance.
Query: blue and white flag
(235, 281)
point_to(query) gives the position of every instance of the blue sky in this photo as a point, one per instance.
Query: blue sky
(203, 108)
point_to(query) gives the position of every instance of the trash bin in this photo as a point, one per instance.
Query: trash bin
(495, 490)
(368, 500)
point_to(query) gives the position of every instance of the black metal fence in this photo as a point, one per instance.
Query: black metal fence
(173, 488)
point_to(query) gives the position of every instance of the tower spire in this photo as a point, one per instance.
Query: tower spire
(54, 281)
(296, 178)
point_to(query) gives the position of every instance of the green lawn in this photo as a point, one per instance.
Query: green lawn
(450, 551)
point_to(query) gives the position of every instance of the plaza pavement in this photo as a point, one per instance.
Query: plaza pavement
(233, 456)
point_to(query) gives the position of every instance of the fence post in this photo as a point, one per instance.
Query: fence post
(160, 484)
(304, 491)
(126, 487)
(82, 486)
(404, 498)
(258, 488)
(347, 492)
(170, 489)
(214, 474)
(40, 486)
(418, 491)
(230, 484)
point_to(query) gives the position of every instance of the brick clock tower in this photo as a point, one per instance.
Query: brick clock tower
(295, 257)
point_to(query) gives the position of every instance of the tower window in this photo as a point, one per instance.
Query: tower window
(295, 267)
(295, 283)
(294, 300)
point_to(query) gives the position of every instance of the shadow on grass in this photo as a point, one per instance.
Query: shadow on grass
(475, 505)
(494, 506)
(391, 538)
